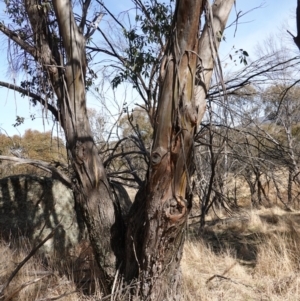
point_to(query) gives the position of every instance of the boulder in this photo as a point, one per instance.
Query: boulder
(31, 207)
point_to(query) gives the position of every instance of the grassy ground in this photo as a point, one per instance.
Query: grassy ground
(246, 257)
(250, 256)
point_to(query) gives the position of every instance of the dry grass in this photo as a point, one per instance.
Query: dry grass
(254, 260)
(37, 280)
(253, 256)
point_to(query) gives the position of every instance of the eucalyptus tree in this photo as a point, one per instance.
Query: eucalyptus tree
(52, 38)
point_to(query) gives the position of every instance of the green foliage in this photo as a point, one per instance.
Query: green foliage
(145, 41)
(16, 13)
(19, 121)
(242, 55)
(156, 24)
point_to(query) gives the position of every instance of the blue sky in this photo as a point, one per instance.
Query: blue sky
(271, 16)
(274, 16)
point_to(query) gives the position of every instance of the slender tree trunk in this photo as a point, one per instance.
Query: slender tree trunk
(290, 186)
(101, 215)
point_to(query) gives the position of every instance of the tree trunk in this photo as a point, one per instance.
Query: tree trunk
(155, 250)
(67, 78)
(101, 215)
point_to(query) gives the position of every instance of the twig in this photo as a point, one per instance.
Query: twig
(58, 297)
(23, 286)
(114, 284)
(135, 255)
(129, 286)
(229, 279)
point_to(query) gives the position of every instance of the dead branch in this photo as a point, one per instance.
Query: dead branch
(228, 279)
(58, 297)
(16, 291)
(56, 173)
(23, 262)
(36, 97)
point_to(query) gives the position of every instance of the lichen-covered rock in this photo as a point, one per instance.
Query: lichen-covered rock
(33, 206)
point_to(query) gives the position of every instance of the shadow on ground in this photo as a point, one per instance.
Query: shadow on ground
(242, 236)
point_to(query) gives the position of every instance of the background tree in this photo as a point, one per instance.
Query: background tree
(241, 153)
(34, 145)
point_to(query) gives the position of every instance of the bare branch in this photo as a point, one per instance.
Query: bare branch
(42, 165)
(36, 97)
(85, 7)
(94, 25)
(18, 40)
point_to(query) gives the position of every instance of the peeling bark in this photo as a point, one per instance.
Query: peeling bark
(155, 252)
(101, 215)
(166, 207)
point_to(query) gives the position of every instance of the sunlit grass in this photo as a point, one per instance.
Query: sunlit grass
(255, 259)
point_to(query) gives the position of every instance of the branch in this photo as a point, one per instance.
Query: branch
(16, 38)
(297, 38)
(229, 279)
(73, 40)
(108, 11)
(94, 25)
(208, 51)
(104, 51)
(59, 297)
(21, 264)
(245, 79)
(42, 101)
(142, 7)
(47, 53)
(85, 7)
(134, 172)
(122, 154)
(56, 174)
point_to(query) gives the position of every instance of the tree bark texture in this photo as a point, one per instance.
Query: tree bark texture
(102, 216)
(61, 54)
(92, 192)
(155, 250)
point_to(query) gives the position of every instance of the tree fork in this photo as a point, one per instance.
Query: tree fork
(166, 208)
(155, 250)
